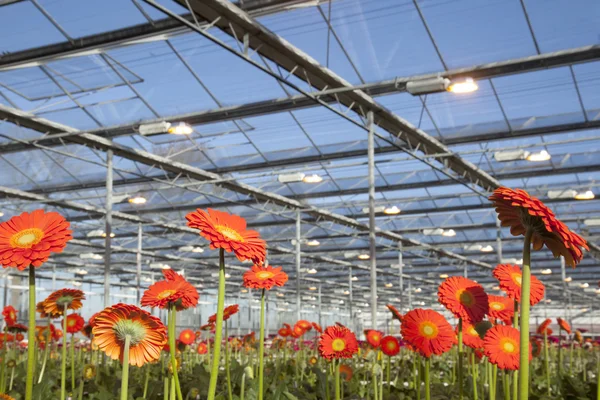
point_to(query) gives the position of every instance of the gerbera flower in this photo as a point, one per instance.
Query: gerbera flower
(313, 360)
(75, 323)
(285, 331)
(297, 331)
(70, 298)
(471, 337)
(390, 346)
(345, 372)
(173, 290)
(564, 325)
(227, 313)
(304, 324)
(536, 347)
(520, 211)
(395, 313)
(43, 331)
(10, 315)
(509, 278)
(337, 342)
(228, 232)
(501, 346)
(501, 308)
(578, 337)
(202, 348)
(148, 335)
(428, 331)
(6, 397)
(16, 328)
(465, 298)
(544, 326)
(259, 277)
(374, 337)
(30, 238)
(317, 327)
(187, 336)
(249, 338)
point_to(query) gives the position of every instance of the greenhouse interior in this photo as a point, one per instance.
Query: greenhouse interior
(299, 199)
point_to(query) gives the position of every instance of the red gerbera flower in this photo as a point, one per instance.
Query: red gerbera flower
(337, 342)
(174, 290)
(501, 308)
(317, 327)
(202, 348)
(471, 337)
(544, 326)
(187, 336)
(390, 346)
(509, 278)
(228, 232)
(58, 300)
(75, 323)
(297, 331)
(520, 211)
(227, 313)
(16, 328)
(395, 313)
(30, 238)
(501, 346)
(346, 372)
(285, 331)
(564, 325)
(304, 324)
(259, 277)
(10, 315)
(428, 331)
(465, 298)
(374, 337)
(536, 347)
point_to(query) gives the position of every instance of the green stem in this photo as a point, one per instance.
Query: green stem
(214, 373)
(261, 347)
(560, 358)
(227, 371)
(474, 375)
(12, 377)
(72, 364)
(379, 354)
(125, 375)
(337, 380)
(547, 362)
(243, 387)
(173, 349)
(31, 336)
(427, 382)
(460, 359)
(524, 337)
(63, 365)
(146, 381)
(597, 378)
(515, 374)
(571, 359)
(494, 381)
(166, 388)
(389, 383)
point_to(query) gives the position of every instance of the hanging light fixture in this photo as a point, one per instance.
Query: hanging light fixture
(466, 86)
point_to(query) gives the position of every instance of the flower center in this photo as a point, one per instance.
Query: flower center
(497, 306)
(428, 329)
(26, 238)
(473, 332)
(229, 233)
(135, 330)
(12, 315)
(71, 322)
(338, 345)
(508, 346)
(516, 277)
(165, 293)
(264, 275)
(465, 297)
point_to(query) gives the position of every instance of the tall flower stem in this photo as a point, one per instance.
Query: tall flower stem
(214, 373)
(63, 365)
(427, 382)
(560, 355)
(72, 363)
(515, 374)
(31, 336)
(546, 362)
(474, 375)
(173, 349)
(125, 375)
(524, 338)
(227, 371)
(336, 365)
(261, 347)
(460, 359)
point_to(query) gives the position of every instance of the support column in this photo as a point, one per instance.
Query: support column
(499, 240)
(372, 243)
(108, 226)
(410, 290)
(138, 261)
(353, 326)
(401, 273)
(298, 261)
(320, 307)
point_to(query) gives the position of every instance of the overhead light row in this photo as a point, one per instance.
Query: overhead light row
(441, 84)
(571, 194)
(299, 177)
(156, 128)
(439, 232)
(391, 210)
(520, 154)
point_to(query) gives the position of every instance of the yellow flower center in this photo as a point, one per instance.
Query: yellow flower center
(165, 293)
(517, 278)
(497, 306)
(264, 275)
(70, 322)
(465, 297)
(26, 238)
(12, 315)
(508, 346)
(428, 329)
(229, 233)
(338, 345)
(473, 332)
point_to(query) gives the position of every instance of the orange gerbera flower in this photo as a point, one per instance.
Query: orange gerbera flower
(520, 211)
(390, 346)
(536, 347)
(501, 308)
(285, 331)
(297, 331)
(304, 324)
(202, 348)
(70, 299)
(501, 346)
(30, 238)
(346, 372)
(75, 323)
(228, 232)
(173, 290)
(471, 337)
(317, 327)
(509, 278)
(187, 336)
(564, 325)
(374, 337)
(148, 335)
(428, 331)
(10, 315)
(395, 313)
(337, 342)
(6, 397)
(228, 312)
(578, 337)
(259, 277)
(465, 298)
(544, 326)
